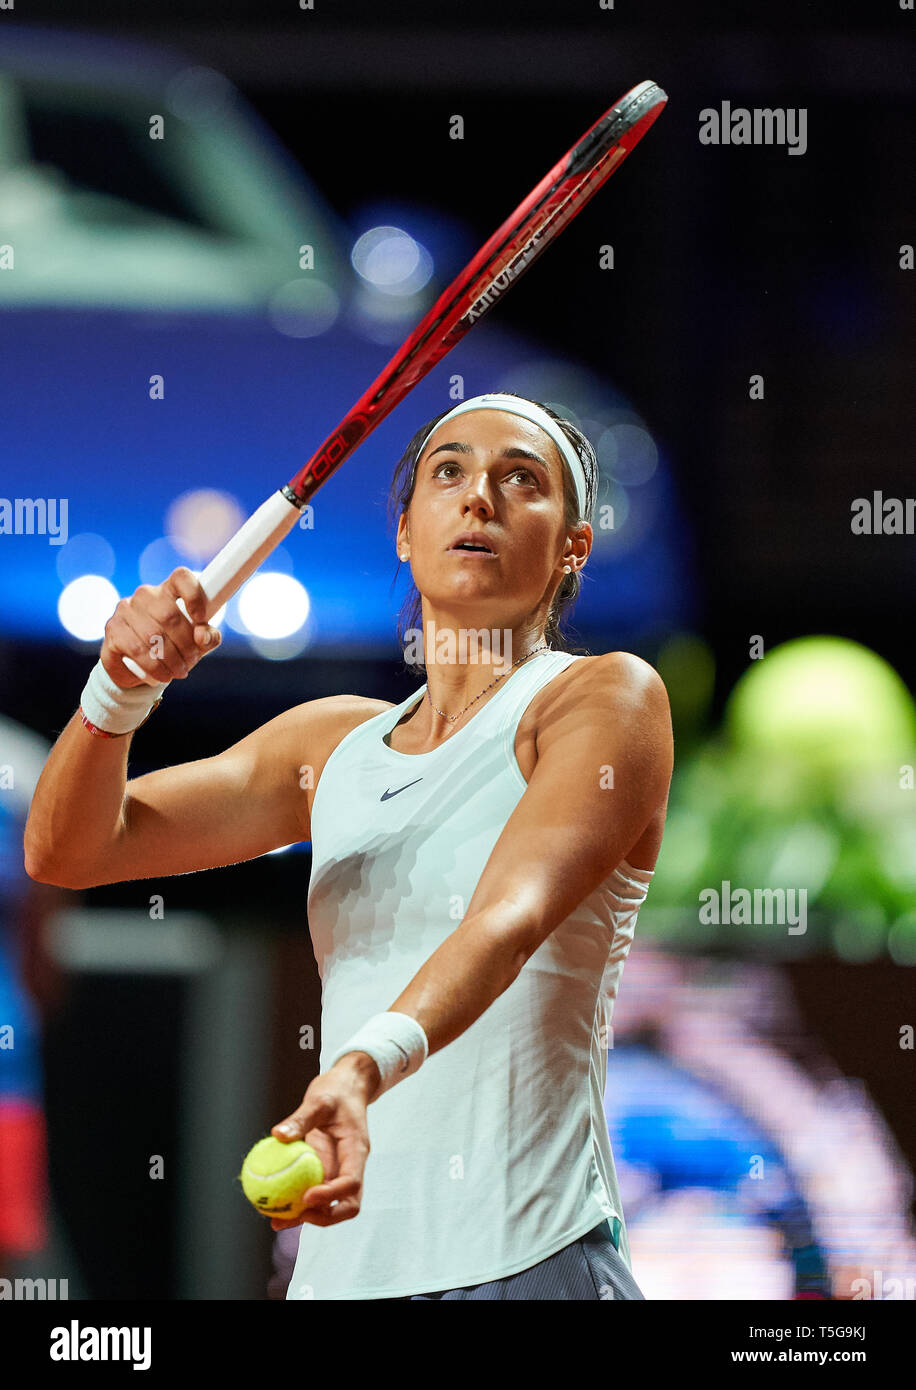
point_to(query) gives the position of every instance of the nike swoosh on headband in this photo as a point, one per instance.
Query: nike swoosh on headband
(387, 795)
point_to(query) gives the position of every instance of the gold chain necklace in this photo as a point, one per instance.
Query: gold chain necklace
(452, 717)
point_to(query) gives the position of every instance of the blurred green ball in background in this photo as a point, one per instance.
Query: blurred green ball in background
(808, 785)
(825, 701)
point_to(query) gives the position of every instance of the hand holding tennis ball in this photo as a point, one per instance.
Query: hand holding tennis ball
(276, 1177)
(323, 1145)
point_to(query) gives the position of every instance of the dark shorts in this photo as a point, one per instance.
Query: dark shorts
(590, 1268)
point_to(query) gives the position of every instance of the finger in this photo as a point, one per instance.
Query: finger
(169, 620)
(163, 646)
(193, 639)
(346, 1179)
(352, 1152)
(326, 1149)
(126, 637)
(332, 1201)
(207, 639)
(344, 1210)
(112, 655)
(310, 1114)
(324, 1193)
(182, 583)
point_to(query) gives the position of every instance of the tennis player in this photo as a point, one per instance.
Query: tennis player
(480, 852)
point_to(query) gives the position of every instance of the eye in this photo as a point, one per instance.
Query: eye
(526, 472)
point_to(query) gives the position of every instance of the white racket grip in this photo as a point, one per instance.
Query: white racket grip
(238, 560)
(251, 544)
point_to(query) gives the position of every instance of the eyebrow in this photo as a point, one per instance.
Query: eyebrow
(515, 453)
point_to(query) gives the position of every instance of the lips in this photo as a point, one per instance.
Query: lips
(473, 543)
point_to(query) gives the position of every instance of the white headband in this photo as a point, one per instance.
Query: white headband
(529, 411)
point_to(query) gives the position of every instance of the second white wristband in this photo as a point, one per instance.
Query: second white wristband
(395, 1042)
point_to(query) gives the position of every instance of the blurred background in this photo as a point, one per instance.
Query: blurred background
(170, 355)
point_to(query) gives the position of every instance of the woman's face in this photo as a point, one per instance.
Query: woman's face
(500, 475)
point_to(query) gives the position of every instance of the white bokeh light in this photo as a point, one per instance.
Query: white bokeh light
(392, 261)
(273, 606)
(303, 308)
(85, 605)
(628, 453)
(158, 559)
(86, 553)
(201, 521)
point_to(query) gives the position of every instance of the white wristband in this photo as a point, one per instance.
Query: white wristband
(110, 707)
(395, 1042)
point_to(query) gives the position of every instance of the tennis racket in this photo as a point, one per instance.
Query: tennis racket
(524, 236)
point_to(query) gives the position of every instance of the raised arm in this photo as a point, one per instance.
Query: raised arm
(88, 825)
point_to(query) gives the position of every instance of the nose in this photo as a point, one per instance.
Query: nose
(478, 495)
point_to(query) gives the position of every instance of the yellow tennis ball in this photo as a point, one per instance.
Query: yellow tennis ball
(276, 1176)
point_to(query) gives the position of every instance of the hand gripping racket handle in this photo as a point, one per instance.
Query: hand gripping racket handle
(237, 561)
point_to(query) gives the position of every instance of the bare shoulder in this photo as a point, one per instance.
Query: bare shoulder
(620, 667)
(611, 679)
(313, 730)
(330, 718)
(623, 672)
(348, 706)
(599, 703)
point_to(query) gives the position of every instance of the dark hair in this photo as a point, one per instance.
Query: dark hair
(401, 491)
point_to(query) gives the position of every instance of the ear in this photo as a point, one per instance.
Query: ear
(580, 543)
